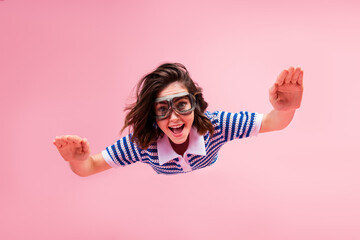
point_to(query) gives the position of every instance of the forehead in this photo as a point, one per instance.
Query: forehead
(171, 89)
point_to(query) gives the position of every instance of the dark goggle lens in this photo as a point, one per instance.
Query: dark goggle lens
(161, 109)
(182, 104)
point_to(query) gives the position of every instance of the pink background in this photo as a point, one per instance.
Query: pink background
(69, 67)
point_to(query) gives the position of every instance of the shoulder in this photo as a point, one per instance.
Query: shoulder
(214, 118)
(215, 115)
(212, 115)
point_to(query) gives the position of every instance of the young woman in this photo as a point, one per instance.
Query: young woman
(171, 130)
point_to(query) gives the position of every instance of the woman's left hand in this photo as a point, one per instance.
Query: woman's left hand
(287, 91)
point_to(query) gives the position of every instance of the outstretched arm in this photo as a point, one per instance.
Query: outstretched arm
(285, 96)
(76, 151)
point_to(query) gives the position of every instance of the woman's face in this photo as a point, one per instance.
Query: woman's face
(177, 127)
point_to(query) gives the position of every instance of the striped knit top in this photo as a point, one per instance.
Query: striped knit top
(202, 150)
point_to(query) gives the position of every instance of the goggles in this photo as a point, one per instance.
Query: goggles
(182, 103)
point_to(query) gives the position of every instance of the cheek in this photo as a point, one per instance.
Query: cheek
(190, 119)
(162, 124)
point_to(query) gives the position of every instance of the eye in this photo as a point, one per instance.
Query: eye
(161, 109)
(181, 105)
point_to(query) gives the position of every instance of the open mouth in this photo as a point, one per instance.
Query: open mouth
(177, 130)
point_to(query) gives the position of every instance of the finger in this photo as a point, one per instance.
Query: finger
(85, 145)
(73, 137)
(57, 144)
(290, 74)
(273, 89)
(281, 78)
(273, 93)
(300, 79)
(61, 137)
(58, 138)
(62, 142)
(75, 140)
(296, 75)
(69, 137)
(69, 140)
(77, 143)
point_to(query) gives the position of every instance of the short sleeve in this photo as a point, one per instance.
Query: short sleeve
(239, 125)
(123, 152)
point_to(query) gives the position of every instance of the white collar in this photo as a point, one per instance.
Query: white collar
(167, 153)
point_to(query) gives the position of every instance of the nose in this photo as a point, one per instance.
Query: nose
(173, 116)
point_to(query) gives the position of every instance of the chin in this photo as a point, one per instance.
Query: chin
(180, 140)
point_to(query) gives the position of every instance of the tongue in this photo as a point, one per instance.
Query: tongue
(177, 130)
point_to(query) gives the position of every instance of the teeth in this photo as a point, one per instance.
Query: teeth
(177, 126)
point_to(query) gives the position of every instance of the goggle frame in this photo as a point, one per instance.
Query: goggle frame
(169, 99)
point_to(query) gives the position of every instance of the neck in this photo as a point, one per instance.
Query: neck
(180, 148)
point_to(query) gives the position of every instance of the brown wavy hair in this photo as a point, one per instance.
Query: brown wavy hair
(140, 116)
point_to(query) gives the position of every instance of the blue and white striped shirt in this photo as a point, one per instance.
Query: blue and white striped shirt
(202, 150)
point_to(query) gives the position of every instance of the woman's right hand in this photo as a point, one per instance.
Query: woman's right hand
(72, 148)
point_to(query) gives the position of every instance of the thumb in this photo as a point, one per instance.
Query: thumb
(273, 89)
(273, 92)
